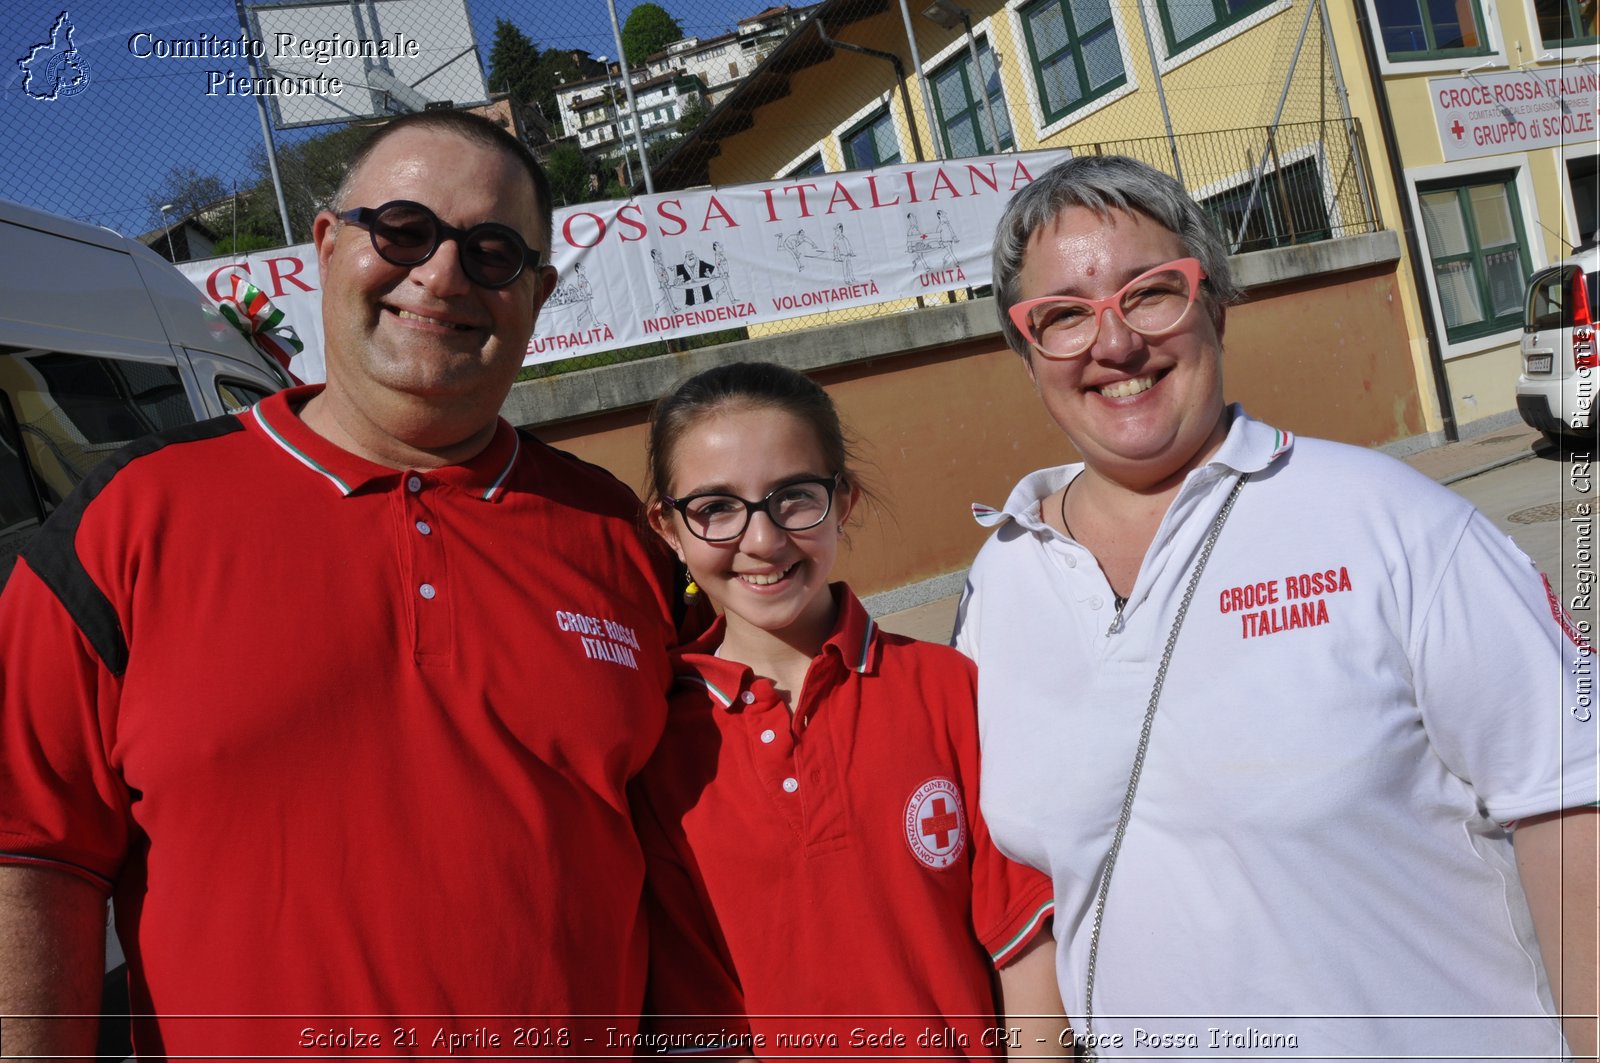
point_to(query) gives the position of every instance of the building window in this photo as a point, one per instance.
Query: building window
(1566, 22)
(1479, 252)
(1076, 57)
(1187, 22)
(1288, 208)
(1430, 29)
(871, 142)
(963, 119)
(810, 167)
(1583, 185)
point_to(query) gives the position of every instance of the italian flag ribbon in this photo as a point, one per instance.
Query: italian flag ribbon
(252, 313)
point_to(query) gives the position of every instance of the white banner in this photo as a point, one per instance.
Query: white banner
(683, 263)
(1515, 110)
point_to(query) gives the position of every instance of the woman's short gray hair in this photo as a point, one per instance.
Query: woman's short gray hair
(1103, 183)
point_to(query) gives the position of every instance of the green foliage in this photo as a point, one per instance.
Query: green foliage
(648, 30)
(246, 243)
(311, 171)
(569, 175)
(656, 150)
(693, 116)
(514, 63)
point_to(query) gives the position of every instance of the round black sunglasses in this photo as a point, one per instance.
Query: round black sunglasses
(407, 234)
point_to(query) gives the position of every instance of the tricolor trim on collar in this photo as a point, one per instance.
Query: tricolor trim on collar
(297, 454)
(715, 691)
(1280, 444)
(866, 648)
(511, 463)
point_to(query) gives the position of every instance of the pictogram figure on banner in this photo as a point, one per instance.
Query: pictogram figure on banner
(947, 238)
(843, 253)
(725, 281)
(800, 247)
(664, 301)
(694, 275)
(575, 296)
(921, 243)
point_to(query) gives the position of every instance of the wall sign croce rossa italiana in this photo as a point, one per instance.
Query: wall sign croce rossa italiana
(683, 263)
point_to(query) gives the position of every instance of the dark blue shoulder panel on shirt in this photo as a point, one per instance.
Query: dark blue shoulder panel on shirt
(53, 556)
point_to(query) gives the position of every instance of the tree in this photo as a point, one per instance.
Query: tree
(184, 192)
(693, 116)
(569, 175)
(514, 65)
(648, 30)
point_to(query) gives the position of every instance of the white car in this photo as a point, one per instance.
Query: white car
(1556, 391)
(101, 342)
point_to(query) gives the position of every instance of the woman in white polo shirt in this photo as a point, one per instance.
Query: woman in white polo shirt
(1263, 707)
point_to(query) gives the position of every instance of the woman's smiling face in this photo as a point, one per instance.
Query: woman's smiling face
(1140, 409)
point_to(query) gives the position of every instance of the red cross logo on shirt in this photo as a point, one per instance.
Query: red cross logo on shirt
(941, 824)
(935, 825)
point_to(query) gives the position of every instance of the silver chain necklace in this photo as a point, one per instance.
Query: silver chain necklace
(1090, 1052)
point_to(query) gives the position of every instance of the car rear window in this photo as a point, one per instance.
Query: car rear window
(1547, 298)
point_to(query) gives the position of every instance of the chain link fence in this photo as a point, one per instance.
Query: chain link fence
(154, 117)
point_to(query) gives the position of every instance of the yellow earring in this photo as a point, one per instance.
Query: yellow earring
(691, 591)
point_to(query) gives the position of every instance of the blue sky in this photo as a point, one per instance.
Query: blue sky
(101, 153)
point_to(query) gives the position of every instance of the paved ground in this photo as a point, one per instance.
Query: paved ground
(1511, 500)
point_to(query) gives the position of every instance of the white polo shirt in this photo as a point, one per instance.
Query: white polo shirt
(1369, 682)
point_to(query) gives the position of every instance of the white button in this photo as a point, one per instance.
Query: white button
(422, 526)
(769, 735)
(748, 697)
(1072, 562)
(427, 591)
(790, 785)
(413, 484)
(1096, 602)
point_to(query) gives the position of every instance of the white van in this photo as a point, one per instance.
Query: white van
(101, 342)
(1560, 368)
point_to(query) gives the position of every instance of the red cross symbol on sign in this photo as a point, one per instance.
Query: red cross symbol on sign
(941, 824)
(1457, 128)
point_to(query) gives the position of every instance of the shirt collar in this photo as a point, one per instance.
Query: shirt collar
(277, 417)
(853, 646)
(1250, 446)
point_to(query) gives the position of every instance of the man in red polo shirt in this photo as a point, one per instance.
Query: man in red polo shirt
(338, 699)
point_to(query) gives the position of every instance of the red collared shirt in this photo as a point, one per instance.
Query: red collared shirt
(818, 871)
(342, 740)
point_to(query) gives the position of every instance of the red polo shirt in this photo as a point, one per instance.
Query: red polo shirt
(349, 746)
(827, 873)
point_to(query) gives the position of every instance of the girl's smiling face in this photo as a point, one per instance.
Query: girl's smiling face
(766, 578)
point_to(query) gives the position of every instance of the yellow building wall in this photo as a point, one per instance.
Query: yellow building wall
(1481, 375)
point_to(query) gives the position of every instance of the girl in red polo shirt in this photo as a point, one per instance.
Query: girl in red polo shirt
(820, 879)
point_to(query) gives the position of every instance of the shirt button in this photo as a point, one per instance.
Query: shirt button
(422, 526)
(1072, 562)
(748, 697)
(427, 591)
(790, 785)
(1096, 602)
(769, 735)
(413, 484)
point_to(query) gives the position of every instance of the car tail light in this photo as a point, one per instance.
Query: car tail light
(1583, 352)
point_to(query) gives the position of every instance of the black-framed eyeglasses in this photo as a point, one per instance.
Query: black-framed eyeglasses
(795, 506)
(407, 234)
